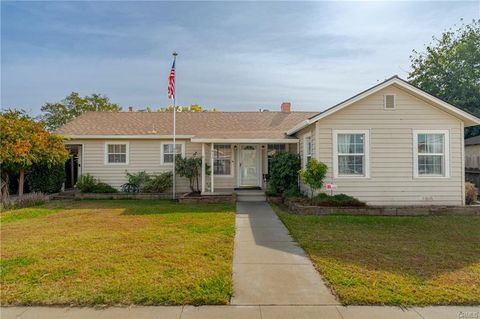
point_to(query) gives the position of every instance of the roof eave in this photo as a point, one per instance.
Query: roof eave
(133, 137)
(245, 140)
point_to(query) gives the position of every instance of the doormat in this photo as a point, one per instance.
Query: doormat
(247, 188)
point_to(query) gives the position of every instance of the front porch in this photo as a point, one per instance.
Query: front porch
(239, 165)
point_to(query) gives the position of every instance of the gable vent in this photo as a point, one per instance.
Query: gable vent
(389, 102)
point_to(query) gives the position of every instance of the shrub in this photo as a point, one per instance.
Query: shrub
(86, 183)
(338, 200)
(26, 200)
(159, 183)
(283, 174)
(313, 174)
(292, 193)
(471, 193)
(135, 181)
(103, 188)
(89, 184)
(46, 179)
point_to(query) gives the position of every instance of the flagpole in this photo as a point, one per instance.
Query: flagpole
(174, 126)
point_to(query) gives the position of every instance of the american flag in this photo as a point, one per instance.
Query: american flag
(171, 82)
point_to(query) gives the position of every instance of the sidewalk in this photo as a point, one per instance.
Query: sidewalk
(269, 268)
(243, 312)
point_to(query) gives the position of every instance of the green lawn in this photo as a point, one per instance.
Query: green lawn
(393, 260)
(117, 252)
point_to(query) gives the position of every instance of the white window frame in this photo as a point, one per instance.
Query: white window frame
(232, 156)
(182, 152)
(446, 153)
(127, 150)
(307, 136)
(366, 153)
(385, 102)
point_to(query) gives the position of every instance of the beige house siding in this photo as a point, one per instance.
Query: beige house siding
(391, 180)
(144, 155)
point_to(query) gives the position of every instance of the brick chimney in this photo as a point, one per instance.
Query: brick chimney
(130, 109)
(286, 107)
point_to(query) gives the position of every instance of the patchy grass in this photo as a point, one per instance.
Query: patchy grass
(117, 252)
(393, 260)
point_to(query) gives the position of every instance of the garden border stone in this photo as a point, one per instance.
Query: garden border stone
(211, 199)
(297, 208)
(121, 195)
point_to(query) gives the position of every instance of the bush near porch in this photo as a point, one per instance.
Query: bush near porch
(107, 252)
(427, 260)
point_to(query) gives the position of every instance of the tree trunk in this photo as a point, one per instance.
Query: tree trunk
(21, 180)
(191, 185)
(198, 186)
(4, 188)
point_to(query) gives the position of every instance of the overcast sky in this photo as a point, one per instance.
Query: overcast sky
(232, 56)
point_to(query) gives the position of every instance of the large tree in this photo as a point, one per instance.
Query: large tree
(449, 68)
(25, 142)
(58, 113)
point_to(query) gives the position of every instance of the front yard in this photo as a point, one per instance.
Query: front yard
(393, 260)
(117, 252)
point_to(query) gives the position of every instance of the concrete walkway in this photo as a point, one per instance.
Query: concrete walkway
(242, 312)
(269, 268)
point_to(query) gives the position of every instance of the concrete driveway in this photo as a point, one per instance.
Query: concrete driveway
(269, 268)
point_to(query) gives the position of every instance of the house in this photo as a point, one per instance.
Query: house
(472, 160)
(392, 144)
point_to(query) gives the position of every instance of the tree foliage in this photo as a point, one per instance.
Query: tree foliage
(313, 174)
(25, 142)
(191, 108)
(450, 69)
(59, 113)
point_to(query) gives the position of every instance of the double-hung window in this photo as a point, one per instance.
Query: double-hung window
(273, 149)
(168, 153)
(222, 159)
(116, 153)
(351, 154)
(431, 149)
(308, 148)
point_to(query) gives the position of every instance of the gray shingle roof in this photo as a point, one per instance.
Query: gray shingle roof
(199, 124)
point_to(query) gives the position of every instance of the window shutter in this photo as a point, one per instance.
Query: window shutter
(389, 102)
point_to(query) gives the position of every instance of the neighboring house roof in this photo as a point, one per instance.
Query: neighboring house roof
(466, 117)
(199, 126)
(473, 140)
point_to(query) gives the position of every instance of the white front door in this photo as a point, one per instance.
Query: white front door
(249, 166)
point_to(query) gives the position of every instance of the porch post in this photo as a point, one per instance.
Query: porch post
(203, 168)
(212, 188)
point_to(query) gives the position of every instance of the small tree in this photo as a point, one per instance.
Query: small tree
(191, 168)
(283, 174)
(313, 174)
(24, 142)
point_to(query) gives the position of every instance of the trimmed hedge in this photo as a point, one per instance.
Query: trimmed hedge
(283, 174)
(46, 179)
